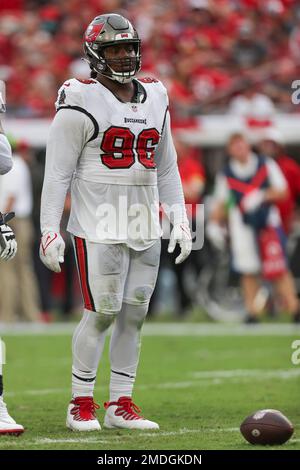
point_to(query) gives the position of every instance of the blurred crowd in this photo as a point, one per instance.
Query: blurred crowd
(235, 57)
(213, 55)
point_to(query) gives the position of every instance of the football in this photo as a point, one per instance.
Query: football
(267, 427)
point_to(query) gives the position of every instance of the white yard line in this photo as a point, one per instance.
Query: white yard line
(217, 329)
(45, 391)
(42, 391)
(246, 373)
(79, 440)
(111, 439)
(114, 439)
(199, 378)
(162, 329)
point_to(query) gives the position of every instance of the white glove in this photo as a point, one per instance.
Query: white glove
(52, 250)
(252, 200)
(216, 235)
(181, 234)
(8, 244)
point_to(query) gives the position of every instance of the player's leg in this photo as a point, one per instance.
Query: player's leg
(125, 340)
(7, 423)
(250, 286)
(102, 270)
(286, 290)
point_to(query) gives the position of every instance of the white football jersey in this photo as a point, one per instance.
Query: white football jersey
(126, 134)
(114, 154)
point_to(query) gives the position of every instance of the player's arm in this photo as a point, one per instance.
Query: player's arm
(5, 148)
(171, 193)
(69, 132)
(6, 162)
(8, 244)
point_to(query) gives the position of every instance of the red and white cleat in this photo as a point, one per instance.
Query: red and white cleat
(124, 414)
(81, 415)
(8, 426)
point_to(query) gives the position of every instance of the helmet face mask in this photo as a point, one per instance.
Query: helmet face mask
(112, 30)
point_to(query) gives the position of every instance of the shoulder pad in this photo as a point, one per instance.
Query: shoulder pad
(148, 80)
(71, 92)
(155, 86)
(86, 81)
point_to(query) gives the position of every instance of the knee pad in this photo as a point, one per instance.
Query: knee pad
(140, 296)
(95, 321)
(104, 320)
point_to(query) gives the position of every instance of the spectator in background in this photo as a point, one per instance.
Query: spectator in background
(246, 193)
(216, 41)
(294, 40)
(36, 164)
(19, 293)
(48, 280)
(279, 86)
(192, 175)
(248, 51)
(251, 103)
(183, 98)
(272, 146)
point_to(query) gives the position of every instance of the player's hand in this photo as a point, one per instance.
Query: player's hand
(181, 234)
(216, 235)
(8, 244)
(52, 250)
(252, 200)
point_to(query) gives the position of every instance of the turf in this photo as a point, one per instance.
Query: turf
(198, 388)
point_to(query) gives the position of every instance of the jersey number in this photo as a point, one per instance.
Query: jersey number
(119, 150)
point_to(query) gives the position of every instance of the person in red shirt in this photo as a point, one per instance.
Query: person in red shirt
(192, 176)
(272, 146)
(193, 181)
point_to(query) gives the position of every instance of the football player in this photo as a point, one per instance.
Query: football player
(111, 141)
(8, 249)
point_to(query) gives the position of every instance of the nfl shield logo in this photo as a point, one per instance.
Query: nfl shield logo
(134, 108)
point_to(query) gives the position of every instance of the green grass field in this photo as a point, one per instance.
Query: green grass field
(199, 387)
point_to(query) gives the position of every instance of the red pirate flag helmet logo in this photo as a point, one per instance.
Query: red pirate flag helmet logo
(93, 32)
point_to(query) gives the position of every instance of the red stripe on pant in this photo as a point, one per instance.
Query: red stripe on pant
(81, 255)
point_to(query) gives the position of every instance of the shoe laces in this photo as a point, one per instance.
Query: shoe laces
(125, 408)
(84, 408)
